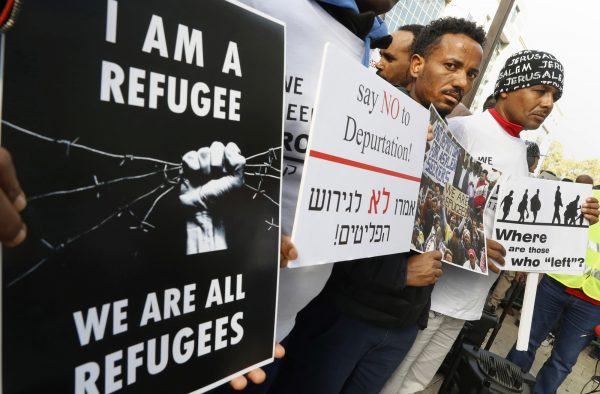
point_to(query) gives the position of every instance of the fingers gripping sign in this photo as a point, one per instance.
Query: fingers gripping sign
(208, 175)
(288, 251)
(12, 201)
(424, 269)
(590, 210)
(495, 254)
(256, 376)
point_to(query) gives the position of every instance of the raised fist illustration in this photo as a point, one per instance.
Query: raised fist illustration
(208, 175)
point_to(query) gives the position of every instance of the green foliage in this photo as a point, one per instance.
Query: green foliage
(567, 168)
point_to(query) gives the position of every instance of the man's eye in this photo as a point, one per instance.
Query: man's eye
(451, 66)
(472, 75)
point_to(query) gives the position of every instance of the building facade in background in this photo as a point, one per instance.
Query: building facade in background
(408, 12)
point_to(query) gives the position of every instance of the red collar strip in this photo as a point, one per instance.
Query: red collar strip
(511, 128)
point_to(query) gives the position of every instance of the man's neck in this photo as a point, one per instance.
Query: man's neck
(511, 128)
(413, 96)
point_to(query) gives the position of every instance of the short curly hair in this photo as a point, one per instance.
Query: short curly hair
(414, 29)
(431, 35)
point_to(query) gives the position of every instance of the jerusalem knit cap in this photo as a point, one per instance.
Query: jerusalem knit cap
(529, 68)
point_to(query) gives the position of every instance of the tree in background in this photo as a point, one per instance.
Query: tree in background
(556, 162)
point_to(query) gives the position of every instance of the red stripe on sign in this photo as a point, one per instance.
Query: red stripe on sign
(368, 167)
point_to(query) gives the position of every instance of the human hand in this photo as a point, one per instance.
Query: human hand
(430, 132)
(12, 201)
(424, 269)
(495, 252)
(590, 210)
(256, 376)
(288, 251)
(207, 175)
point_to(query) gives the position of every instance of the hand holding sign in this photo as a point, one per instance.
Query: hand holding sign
(590, 210)
(495, 253)
(208, 174)
(12, 201)
(424, 269)
(430, 133)
(256, 376)
(288, 251)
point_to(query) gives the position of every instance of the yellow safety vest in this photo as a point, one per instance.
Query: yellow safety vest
(589, 282)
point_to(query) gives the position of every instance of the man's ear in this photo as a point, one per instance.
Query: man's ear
(417, 62)
(503, 95)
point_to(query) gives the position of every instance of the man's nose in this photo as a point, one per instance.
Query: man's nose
(461, 81)
(547, 100)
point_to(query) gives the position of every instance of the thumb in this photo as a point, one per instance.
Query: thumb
(288, 250)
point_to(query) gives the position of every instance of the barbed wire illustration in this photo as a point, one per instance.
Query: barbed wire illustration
(169, 172)
(70, 240)
(99, 184)
(73, 144)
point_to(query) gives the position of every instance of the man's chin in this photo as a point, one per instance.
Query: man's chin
(443, 109)
(533, 125)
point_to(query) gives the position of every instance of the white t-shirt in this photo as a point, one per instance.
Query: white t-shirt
(460, 294)
(467, 264)
(308, 28)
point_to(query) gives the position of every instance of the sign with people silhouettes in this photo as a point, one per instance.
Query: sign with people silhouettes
(540, 224)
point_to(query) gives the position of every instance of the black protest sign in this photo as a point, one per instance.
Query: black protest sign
(146, 135)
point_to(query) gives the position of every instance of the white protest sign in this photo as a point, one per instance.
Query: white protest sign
(363, 166)
(539, 223)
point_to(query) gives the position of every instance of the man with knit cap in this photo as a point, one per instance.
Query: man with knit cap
(526, 89)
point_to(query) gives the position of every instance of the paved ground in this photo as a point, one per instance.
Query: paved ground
(575, 382)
